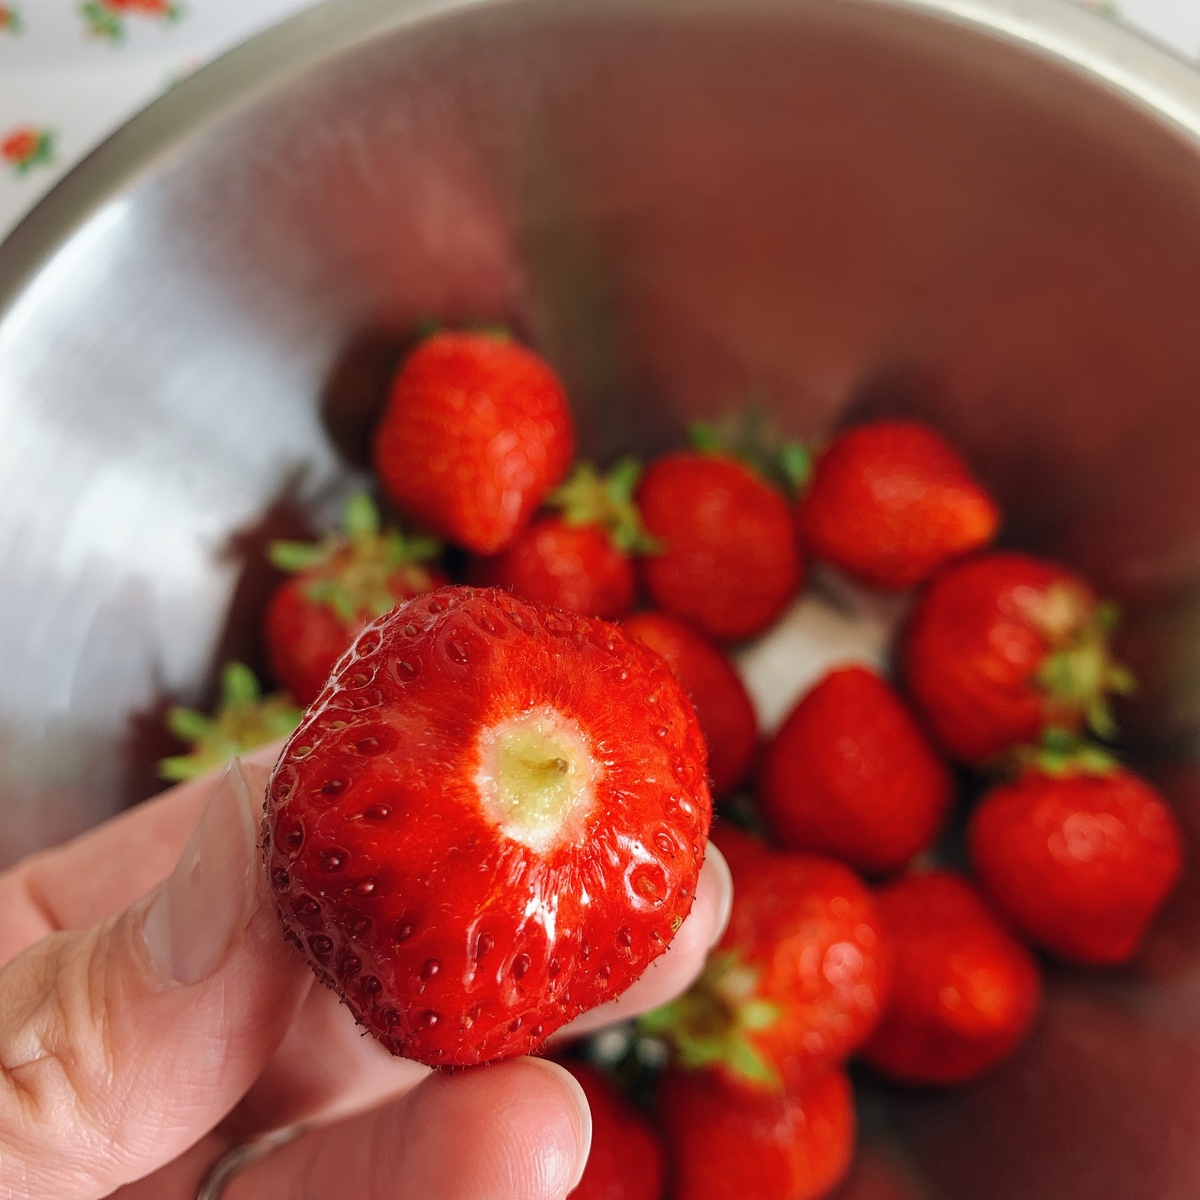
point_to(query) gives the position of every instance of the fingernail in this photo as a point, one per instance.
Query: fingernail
(209, 897)
(583, 1114)
(715, 861)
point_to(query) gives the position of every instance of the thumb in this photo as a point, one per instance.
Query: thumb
(122, 1045)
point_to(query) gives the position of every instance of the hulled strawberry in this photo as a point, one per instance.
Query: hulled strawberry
(475, 433)
(728, 561)
(338, 586)
(722, 704)
(730, 1144)
(797, 982)
(890, 502)
(627, 1159)
(579, 561)
(851, 775)
(1004, 646)
(1078, 853)
(964, 991)
(492, 819)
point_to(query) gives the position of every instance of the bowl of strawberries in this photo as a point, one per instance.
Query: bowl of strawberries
(582, 436)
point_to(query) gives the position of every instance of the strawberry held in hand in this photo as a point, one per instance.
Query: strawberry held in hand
(728, 561)
(722, 705)
(339, 585)
(492, 820)
(851, 775)
(890, 502)
(730, 1144)
(1004, 646)
(797, 982)
(1078, 853)
(475, 433)
(964, 991)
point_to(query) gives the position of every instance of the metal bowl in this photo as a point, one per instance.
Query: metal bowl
(983, 212)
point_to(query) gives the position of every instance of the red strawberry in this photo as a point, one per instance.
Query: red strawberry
(729, 562)
(476, 432)
(1003, 646)
(579, 562)
(1079, 854)
(722, 704)
(730, 1144)
(964, 991)
(851, 775)
(797, 982)
(340, 585)
(492, 819)
(890, 502)
(627, 1157)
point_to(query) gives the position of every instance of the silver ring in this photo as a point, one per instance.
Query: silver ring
(221, 1173)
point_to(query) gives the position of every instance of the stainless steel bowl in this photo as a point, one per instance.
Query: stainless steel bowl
(985, 212)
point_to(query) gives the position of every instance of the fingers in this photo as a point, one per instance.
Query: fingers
(673, 973)
(123, 1044)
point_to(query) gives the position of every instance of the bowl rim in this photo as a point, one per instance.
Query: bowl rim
(1154, 78)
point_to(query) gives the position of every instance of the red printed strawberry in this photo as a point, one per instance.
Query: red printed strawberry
(850, 774)
(722, 704)
(580, 561)
(1004, 646)
(730, 1144)
(476, 432)
(964, 991)
(890, 502)
(492, 819)
(1078, 853)
(627, 1156)
(728, 561)
(340, 584)
(797, 982)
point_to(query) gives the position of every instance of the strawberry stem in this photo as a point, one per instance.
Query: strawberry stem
(752, 437)
(1061, 752)
(589, 498)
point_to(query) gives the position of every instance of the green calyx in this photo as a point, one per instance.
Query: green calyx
(355, 571)
(244, 719)
(751, 437)
(1079, 674)
(589, 498)
(712, 1023)
(1061, 752)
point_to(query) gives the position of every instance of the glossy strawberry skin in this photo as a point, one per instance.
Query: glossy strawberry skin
(1079, 862)
(577, 568)
(851, 775)
(451, 940)
(891, 502)
(475, 433)
(730, 1144)
(627, 1159)
(723, 706)
(729, 562)
(964, 992)
(971, 654)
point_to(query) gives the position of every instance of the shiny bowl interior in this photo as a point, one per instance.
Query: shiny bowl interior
(982, 212)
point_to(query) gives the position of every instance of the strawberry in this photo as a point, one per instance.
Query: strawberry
(579, 562)
(475, 433)
(730, 1144)
(1078, 853)
(964, 992)
(850, 774)
(1004, 646)
(244, 719)
(797, 982)
(890, 502)
(340, 584)
(729, 562)
(627, 1156)
(722, 704)
(492, 819)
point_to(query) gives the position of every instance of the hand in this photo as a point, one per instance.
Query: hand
(152, 1016)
